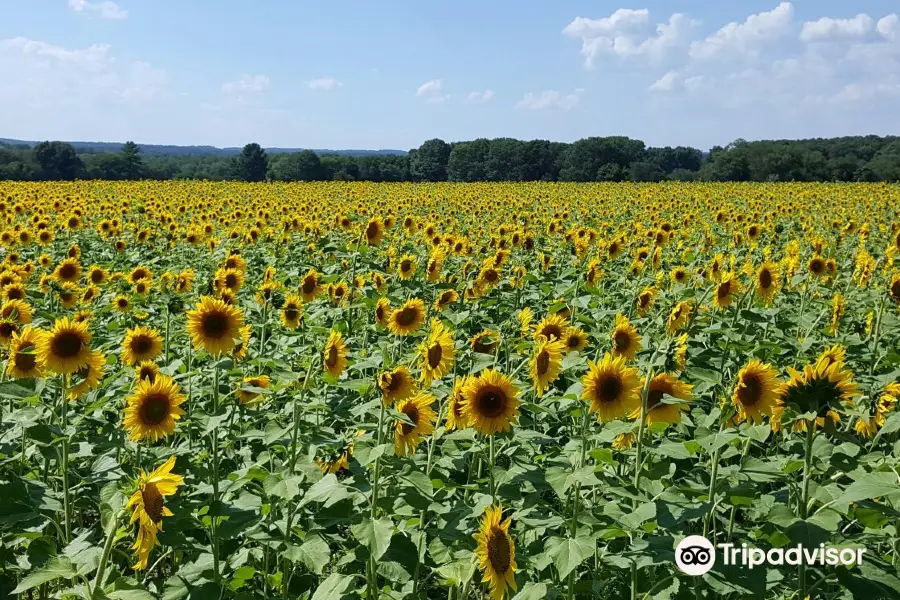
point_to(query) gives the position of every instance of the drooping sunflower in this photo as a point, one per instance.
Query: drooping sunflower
(249, 397)
(242, 344)
(153, 408)
(292, 311)
(214, 325)
(625, 338)
(382, 312)
(553, 326)
(24, 360)
(374, 232)
(546, 363)
(148, 507)
(894, 287)
(679, 317)
(334, 357)
(757, 392)
(612, 388)
(445, 299)
(767, 281)
(88, 377)
(658, 411)
(492, 402)
(623, 441)
(65, 348)
(419, 411)
(140, 273)
(726, 290)
(456, 418)
(496, 552)
(407, 318)
(396, 385)
(820, 388)
(438, 353)
(140, 344)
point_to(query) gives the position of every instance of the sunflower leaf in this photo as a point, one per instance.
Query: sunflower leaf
(58, 568)
(374, 535)
(567, 554)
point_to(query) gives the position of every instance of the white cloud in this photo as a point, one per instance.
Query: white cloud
(247, 84)
(481, 97)
(757, 31)
(106, 9)
(889, 27)
(324, 83)
(629, 34)
(827, 28)
(666, 83)
(430, 88)
(550, 99)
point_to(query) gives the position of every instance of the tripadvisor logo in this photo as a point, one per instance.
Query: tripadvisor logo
(695, 555)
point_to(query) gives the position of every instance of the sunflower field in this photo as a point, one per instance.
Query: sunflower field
(464, 391)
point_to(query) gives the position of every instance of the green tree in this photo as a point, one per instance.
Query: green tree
(429, 162)
(134, 165)
(298, 166)
(252, 164)
(58, 160)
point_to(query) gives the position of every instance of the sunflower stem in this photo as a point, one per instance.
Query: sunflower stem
(107, 551)
(639, 457)
(876, 334)
(262, 333)
(215, 476)
(372, 577)
(804, 492)
(491, 469)
(65, 460)
(168, 323)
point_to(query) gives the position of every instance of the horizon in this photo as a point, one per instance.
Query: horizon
(390, 77)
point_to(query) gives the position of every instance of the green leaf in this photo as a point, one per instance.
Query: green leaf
(533, 591)
(334, 587)
(421, 481)
(872, 485)
(131, 595)
(313, 552)
(327, 490)
(374, 535)
(457, 573)
(569, 553)
(642, 513)
(58, 568)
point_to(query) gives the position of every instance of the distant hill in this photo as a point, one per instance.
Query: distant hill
(161, 150)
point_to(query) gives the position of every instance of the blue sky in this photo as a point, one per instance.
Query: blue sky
(391, 74)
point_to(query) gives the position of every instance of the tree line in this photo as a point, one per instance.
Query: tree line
(862, 158)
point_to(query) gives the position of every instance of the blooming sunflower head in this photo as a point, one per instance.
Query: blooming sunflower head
(496, 552)
(492, 403)
(214, 326)
(407, 318)
(153, 408)
(420, 416)
(65, 348)
(140, 344)
(626, 341)
(612, 388)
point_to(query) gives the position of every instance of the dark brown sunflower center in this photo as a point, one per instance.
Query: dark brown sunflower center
(551, 331)
(141, 345)
(609, 388)
(895, 289)
(445, 297)
(67, 272)
(765, 279)
(644, 300)
(724, 290)
(332, 358)
(491, 402)
(24, 360)
(66, 344)
(679, 275)
(154, 409)
(15, 293)
(153, 502)
(291, 313)
(309, 285)
(655, 396)
(147, 373)
(214, 324)
(499, 551)
(406, 316)
(491, 275)
(395, 382)
(372, 231)
(750, 393)
(542, 362)
(816, 266)
(231, 280)
(413, 413)
(405, 266)
(457, 407)
(435, 352)
(622, 341)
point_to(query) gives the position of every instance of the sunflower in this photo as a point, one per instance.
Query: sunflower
(679, 317)
(492, 402)
(69, 270)
(65, 348)
(148, 370)
(575, 339)
(496, 552)
(97, 275)
(148, 507)
(229, 279)
(552, 326)
(214, 325)
(382, 312)
(456, 418)
(140, 273)
(438, 353)
(184, 282)
(485, 342)
(645, 300)
(445, 299)
(69, 294)
(334, 357)
(821, 387)
(309, 286)
(14, 291)
(838, 308)
(396, 385)
(546, 363)
(767, 281)
(612, 388)
(24, 360)
(418, 410)
(526, 315)
(757, 392)
(152, 409)
(121, 304)
(726, 290)
(408, 318)
(18, 311)
(89, 375)
(816, 266)
(140, 344)
(292, 311)
(249, 397)
(662, 412)
(626, 340)
(894, 288)
(623, 441)
(406, 267)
